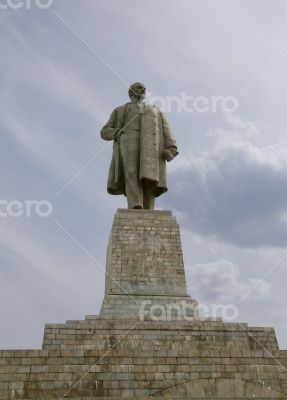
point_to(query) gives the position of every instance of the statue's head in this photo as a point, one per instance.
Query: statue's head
(137, 90)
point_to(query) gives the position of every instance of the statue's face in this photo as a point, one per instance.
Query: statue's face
(138, 90)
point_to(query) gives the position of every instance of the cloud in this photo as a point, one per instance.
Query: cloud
(220, 282)
(234, 189)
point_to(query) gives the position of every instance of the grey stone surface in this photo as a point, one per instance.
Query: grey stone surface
(145, 269)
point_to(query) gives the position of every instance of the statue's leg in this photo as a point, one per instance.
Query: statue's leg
(148, 194)
(130, 154)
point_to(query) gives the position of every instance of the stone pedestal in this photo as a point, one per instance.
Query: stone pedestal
(143, 344)
(145, 271)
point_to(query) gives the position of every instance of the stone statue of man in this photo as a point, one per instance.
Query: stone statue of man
(143, 142)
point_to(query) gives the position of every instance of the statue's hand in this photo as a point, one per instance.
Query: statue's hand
(167, 155)
(170, 153)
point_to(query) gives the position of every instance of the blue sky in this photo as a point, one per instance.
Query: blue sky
(63, 70)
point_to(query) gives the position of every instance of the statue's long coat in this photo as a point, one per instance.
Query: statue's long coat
(155, 137)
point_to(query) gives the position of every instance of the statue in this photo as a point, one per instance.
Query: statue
(143, 142)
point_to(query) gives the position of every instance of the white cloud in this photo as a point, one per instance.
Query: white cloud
(220, 282)
(233, 189)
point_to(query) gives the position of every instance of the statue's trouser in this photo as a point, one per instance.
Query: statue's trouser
(140, 194)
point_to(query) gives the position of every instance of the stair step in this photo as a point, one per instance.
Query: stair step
(158, 398)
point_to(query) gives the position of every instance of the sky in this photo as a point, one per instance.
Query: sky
(65, 65)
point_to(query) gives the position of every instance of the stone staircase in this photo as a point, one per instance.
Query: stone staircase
(153, 359)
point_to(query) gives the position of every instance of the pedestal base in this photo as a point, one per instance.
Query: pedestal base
(145, 271)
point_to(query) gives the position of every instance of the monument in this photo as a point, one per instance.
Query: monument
(143, 142)
(148, 340)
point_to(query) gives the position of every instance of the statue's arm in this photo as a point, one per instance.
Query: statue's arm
(170, 145)
(109, 131)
